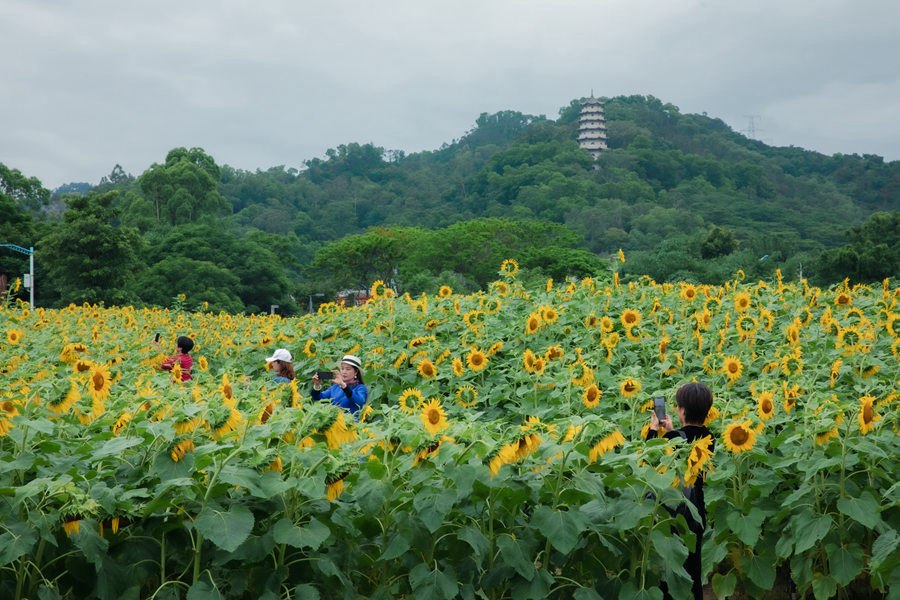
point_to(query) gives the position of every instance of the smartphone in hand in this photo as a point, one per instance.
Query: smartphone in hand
(659, 407)
(156, 338)
(325, 375)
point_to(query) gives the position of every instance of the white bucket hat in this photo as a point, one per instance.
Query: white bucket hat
(353, 361)
(282, 355)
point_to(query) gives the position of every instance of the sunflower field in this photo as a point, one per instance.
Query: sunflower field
(501, 454)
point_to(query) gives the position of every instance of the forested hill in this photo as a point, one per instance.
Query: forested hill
(683, 195)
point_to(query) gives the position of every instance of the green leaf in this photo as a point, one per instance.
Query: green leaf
(562, 528)
(824, 587)
(203, 591)
(670, 548)
(435, 584)
(17, 541)
(746, 527)
(761, 571)
(808, 532)
(723, 585)
(863, 509)
(477, 540)
(304, 591)
(396, 547)
(226, 529)
(586, 593)
(884, 547)
(513, 556)
(90, 543)
(845, 563)
(629, 591)
(116, 446)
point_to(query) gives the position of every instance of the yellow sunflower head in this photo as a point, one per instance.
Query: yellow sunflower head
(533, 323)
(765, 405)
(591, 396)
(476, 360)
(509, 267)
(630, 318)
(410, 400)
(427, 369)
(732, 368)
(433, 416)
(739, 437)
(445, 291)
(467, 396)
(867, 416)
(629, 387)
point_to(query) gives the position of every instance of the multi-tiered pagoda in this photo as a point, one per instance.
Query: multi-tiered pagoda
(592, 127)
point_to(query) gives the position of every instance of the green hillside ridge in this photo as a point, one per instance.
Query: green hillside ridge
(685, 197)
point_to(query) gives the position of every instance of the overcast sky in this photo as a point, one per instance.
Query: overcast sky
(90, 83)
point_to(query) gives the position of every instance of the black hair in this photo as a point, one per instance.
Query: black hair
(696, 399)
(185, 343)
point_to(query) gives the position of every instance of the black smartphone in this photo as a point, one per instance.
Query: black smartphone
(156, 337)
(325, 375)
(659, 407)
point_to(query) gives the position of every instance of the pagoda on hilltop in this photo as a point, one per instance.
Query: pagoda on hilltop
(592, 127)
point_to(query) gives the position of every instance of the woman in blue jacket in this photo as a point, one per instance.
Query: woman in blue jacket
(348, 390)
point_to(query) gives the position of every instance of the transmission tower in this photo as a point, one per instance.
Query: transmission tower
(751, 125)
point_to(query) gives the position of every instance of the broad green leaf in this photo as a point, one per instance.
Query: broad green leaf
(226, 529)
(304, 591)
(631, 514)
(884, 546)
(513, 556)
(723, 585)
(115, 446)
(761, 571)
(630, 591)
(845, 563)
(396, 548)
(203, 591)
(748, 527)
(670, 548)
(536, 589)
(433, 584)
(809, 531)
(823, 586)
(17, 541)
(863, 509)
(586, 593)
(477, 540)
(562, 528)
(90, 543)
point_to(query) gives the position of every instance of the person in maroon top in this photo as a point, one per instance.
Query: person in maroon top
(182, 357)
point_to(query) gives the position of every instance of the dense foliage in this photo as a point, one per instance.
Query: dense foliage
(687, 197)
(501, 455)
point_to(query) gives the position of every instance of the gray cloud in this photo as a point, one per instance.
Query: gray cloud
(90, 84)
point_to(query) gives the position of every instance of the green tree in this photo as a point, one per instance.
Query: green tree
(873, 252)
(88, 258)
(718, 241)
(25, 192)
(185, 188)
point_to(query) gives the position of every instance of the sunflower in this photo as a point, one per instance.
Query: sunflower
(63, 403)
(227, 391)
(548, 287)
(14, 336)
(629, 387)
(71, 525)
(533, 323)
(310, 348)
(501, 287)
(378, 290)
(445, 291)
(600, 446)
(765, 405)
(426, 369)
(509, 267)
(549, 314)
(591, 396)
(867, 416)
(495, 348)
(688, 292)
(121, 423)
(739, 437)
(474, 319)
(228, 422)
(791, 393)
(698, 458)
(732, 368)
(630, 318)
(337, 433)
(410, 400)
(553, 352)
(202, 363)
(433, 416)
(334, 483)
(458, 367)
(400, 360)
(504, 455)
(100, 383)
(180, 448)
(476, 360)
(585, 375)
(82, 365)
(843, 299)
(741, 302)
(467, 396)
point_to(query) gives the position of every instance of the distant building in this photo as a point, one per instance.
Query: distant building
(352, 297)
(592, 127)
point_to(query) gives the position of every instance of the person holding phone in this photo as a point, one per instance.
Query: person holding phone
(182, 356)
(282, 364)
(347, 389)
(692, 401)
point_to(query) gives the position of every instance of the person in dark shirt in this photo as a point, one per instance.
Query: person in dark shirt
(693, 401)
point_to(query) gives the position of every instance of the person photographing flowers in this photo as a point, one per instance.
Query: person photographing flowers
(347, 389)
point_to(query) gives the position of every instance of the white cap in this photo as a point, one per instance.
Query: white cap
(282, 355)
